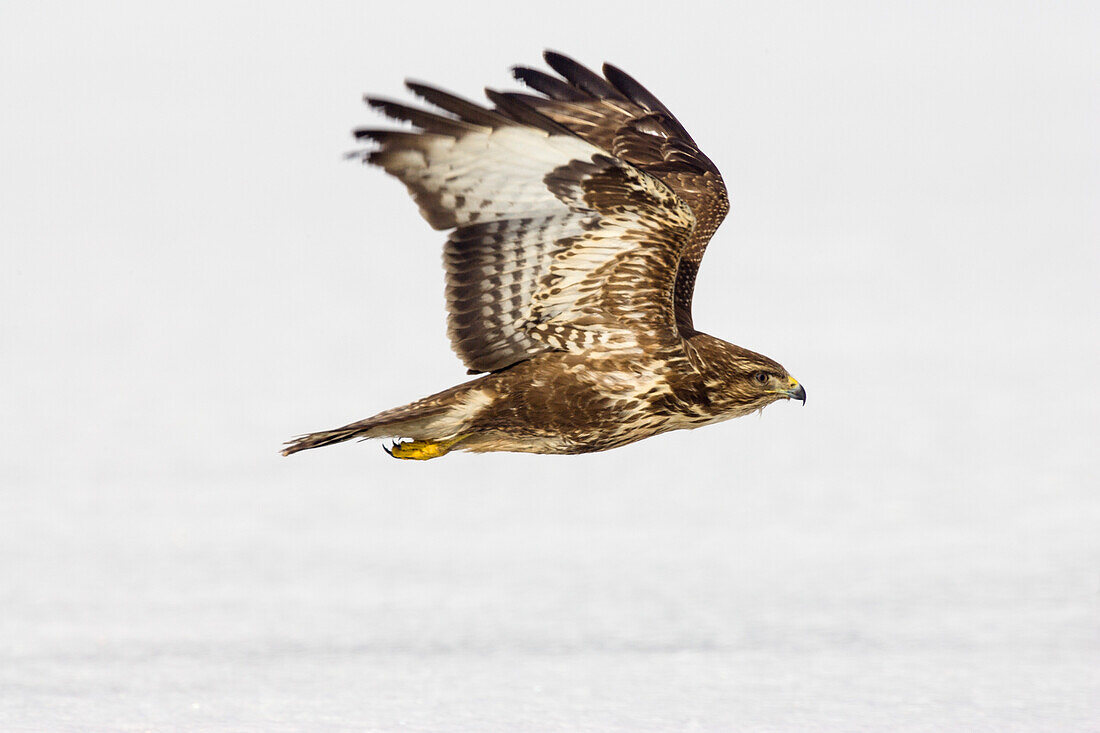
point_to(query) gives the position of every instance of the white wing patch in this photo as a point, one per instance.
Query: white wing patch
(483, 176)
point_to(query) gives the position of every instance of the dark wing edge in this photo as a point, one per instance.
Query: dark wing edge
(616, 113)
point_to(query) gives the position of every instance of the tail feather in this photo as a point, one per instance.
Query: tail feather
(328, 437)
(432, 418)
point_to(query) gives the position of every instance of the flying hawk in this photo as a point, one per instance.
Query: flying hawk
(578, 216)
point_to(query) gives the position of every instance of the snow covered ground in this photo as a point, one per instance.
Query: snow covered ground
(192, 276)
(705, 602)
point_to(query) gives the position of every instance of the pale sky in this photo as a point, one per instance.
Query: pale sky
(193, 274)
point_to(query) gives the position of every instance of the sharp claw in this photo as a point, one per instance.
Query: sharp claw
(388, 450)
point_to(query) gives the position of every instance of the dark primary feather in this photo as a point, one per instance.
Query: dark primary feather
(634, 91)
(549, 85)
(581, 77)
(463, 108)
(518, 107)
(427, 121)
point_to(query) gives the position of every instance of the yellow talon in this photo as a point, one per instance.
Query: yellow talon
(423, 450)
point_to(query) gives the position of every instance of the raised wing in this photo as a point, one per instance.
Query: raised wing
(617, 114)
(556, 245)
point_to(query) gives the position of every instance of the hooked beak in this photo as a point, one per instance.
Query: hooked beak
(796, 391)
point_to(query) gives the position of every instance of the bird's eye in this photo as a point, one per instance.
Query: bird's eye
(760, 377)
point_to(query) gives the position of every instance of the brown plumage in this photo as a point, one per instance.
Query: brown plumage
(578, 220)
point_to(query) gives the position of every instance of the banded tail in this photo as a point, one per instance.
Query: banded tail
(441, 418)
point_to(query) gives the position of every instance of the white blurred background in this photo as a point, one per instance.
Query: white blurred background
(192, 274)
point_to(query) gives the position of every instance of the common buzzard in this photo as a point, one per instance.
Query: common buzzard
(578, 216)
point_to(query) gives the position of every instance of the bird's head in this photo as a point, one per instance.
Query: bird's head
(762, 381)
(743, 381)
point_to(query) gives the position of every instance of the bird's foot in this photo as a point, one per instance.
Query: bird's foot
(422, 450)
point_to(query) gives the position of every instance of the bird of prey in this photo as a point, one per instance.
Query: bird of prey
(578, 216)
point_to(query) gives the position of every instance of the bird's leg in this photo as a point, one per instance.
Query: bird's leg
(423, 450)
